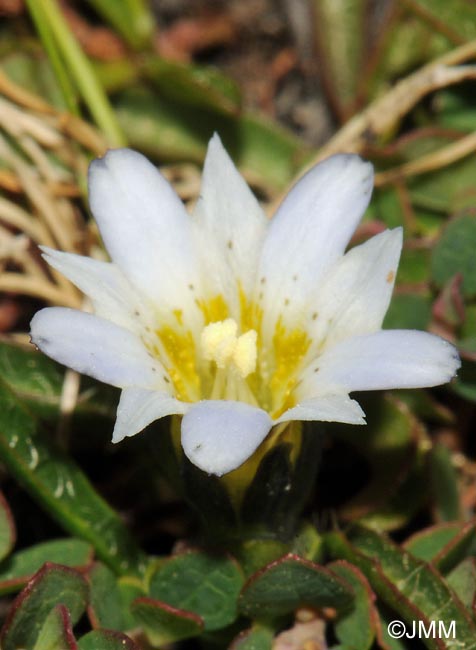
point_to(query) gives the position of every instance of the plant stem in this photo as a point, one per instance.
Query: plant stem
(54, 55)
(81, 70)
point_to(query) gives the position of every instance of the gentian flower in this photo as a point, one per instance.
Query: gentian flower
(236, 322)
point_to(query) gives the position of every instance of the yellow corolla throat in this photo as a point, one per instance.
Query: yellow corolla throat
(289, 350)
(179, 357)
(215, 309)
(230, 360)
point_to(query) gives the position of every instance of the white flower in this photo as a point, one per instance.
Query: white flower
(234, 321)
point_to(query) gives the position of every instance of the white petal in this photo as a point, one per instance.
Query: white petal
(354, 295)
(218, 436)
(95, 347)
(333, 408)
(112, 295)
(145, 228)
(138, 408)
(385, 359)
(310, 230)
(230, 228)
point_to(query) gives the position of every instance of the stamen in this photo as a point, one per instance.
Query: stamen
(245, 353)
(221, 344)
(219, 341)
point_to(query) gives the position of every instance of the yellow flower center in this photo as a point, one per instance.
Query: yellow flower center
(221, 344)
(233, 358)
(222, 363)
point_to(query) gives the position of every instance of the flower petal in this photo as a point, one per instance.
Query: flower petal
(218, 436)
(354, 295)
(230, 228)
(332, 408)
(95, 347)
(309, 232)
(145, 228)
(138, 408)
(112, 295)
(385, 359)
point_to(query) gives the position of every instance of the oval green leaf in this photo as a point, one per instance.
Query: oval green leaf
(292, 582)
(163, 623)
(56, 632)
(207, 585)
(105, 603)
(357, 628)
(53, 585)
(411, 588)
(19, 568)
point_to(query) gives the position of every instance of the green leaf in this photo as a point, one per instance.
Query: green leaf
(409, 311)
(413, 589)
(7, 528)
(414, 266)
(266, 153)
(57, 483)
(463, 582)
(56, 632)
(38, 382)
(207, 585)
(105, 604)
(31, 376)
(130, 588)
(340, 30)
(308, 543)
(426, 544)
(18, 569)
(254, 554)
(106, 640)
(164, 623)
(35, 73)
(454, 253)
(133, 19)
(194, 85)
(457, 16)
(455, 109)
(52, 585)
(444, 545)
(446, 190)
(289, 583)
(444, 484)
(389, 642)
(357, 628)
(49, 15)
(407, 42)
(455, 550)
(69, 93)
(257, 637)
